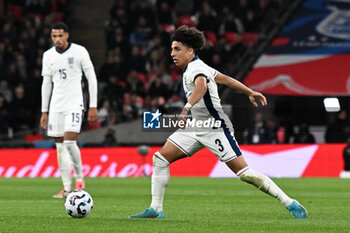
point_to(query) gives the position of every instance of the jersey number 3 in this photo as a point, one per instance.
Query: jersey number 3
(221, 147)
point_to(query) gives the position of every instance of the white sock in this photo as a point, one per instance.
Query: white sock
(64, 163)
(160, 180)
(265, 184)
(74, 152)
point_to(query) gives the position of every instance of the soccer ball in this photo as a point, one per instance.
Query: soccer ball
(79, 204)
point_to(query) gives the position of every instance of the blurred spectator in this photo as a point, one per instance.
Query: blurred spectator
(134, 84)
(21, 109)
(110, 68)
(338, 129)
(163, 74)
(303, 135)
(131, 108)
(177, 88)
(117, 41)
(8, 35)
(35, 7)
(277, 132)
(250, 21)
(141, 32)
(150, 104)
(119, 20)
(21, 66)
(5, 91)
(263, 7)
(106, 116)
(135, 61)
(289, 132)
(207, 19)
(184, 7)
(137, 103)
(114, 92)
(154, 61)
(110, 139)
(158, 88)
(216, 62)
(165, 14)
(118, 5)
(231, 24)
(175, 103)
(142, 9)
(241, 9)
(259, 132)
(12, 75)
(164, 38)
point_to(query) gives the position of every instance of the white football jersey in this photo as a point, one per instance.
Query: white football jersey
(210, 105)
(66, 70)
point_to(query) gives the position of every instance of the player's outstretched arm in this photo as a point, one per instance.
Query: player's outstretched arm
(253, 96)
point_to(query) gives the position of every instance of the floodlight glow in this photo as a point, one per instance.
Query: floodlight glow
(331, 104)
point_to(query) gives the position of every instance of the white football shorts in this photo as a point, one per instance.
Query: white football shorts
(222, 143)
(60, 122)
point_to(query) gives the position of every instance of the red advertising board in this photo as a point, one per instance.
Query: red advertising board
(323, 160)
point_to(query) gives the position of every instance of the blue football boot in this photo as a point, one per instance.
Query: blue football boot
(297, 210)
(148, 213)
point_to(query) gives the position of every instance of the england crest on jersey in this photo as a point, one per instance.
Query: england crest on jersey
(336, 25)
(70, 60)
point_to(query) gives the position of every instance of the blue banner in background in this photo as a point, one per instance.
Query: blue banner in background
(319, 27)
(310, 56)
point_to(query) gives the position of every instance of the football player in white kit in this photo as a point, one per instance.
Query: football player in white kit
(200, 84)
(63, 101)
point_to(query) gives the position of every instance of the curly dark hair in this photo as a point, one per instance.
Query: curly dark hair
(59, 25)
(190, 37)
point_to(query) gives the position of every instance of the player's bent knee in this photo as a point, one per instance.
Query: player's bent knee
(159, 160)
(161, 173)
(255, 178)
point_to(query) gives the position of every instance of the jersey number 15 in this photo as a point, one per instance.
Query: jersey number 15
(63, 74)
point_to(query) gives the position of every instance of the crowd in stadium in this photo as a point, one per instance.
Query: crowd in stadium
(138, 73)
(24, 36)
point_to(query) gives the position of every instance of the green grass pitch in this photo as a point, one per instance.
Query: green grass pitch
(191, 205)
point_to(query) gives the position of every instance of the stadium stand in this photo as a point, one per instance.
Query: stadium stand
(139, 48)
(137, 73)
(24, 36)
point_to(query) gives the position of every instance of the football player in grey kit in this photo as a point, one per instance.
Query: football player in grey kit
(200, 85)
(63, 102)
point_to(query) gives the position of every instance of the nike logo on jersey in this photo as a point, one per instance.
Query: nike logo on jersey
(224, 155)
